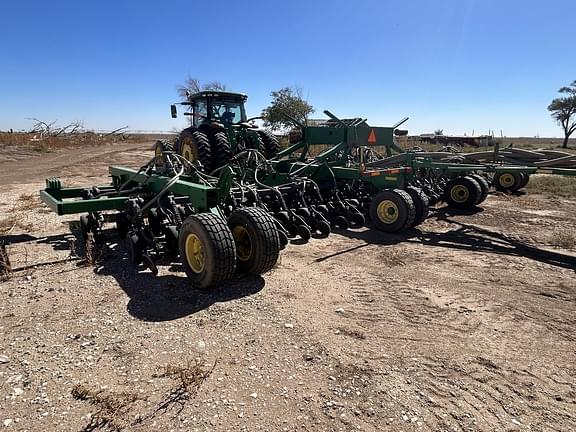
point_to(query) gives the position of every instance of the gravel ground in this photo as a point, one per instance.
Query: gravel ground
(466, 324)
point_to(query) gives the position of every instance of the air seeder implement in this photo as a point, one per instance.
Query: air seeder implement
(225, 199)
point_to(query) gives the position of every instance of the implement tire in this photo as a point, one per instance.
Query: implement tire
(421, 204)
(484, 186)
(525, 180)
(195, 146)
(462, 193)
(257, 241)
(207, 250)
(392, 210)
(507, 181)
(271, 145)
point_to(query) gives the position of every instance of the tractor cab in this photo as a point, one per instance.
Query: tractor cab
(208, 107)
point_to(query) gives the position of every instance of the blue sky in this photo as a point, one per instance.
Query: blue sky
(461, 66)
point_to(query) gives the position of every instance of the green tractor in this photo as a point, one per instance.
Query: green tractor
(219, 129)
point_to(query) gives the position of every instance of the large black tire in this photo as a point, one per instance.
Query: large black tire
(271, 145)
(195, 146)
(484, 186)
(207, 250)
(255, 142)
(392, 210)
(421, 204)
(257, 241)
(221, 152)
(462, 193)
(525, 180)
(162, 146)
(507, 181)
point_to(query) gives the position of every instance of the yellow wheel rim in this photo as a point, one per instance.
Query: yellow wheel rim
(459, 193)
(506, 180)
(387, 212)
(243, 243)
(188, 150)
(195, 253)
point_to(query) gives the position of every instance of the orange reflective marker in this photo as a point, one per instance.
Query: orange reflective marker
(372, 137)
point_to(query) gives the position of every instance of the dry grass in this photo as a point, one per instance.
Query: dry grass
(112, 409)
(553, 185)
(393, 257)
(565, 239)
(40, 144)
(17, 218)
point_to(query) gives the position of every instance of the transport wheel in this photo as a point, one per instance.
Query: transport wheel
(271, 145)
(256, 238)
(462, 193)
(392, 210)
(525, 180)
(507, 181)
(195, 146)
(421, 204)
(220, 147)
(207, 250)
(484, 186)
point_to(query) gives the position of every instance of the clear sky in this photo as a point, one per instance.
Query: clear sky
(456, 65)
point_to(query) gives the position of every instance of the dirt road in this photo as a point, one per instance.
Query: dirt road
(466, 324)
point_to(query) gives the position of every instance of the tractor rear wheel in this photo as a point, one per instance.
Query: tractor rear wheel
(392, 210)
(462, 193)
(421, 204)
(271, 145)
(207, 250)
(257, 241)
(195, 146)
(220, 146)
(507, 181)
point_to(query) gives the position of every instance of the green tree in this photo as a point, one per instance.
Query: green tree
(193, 85)
(563, 110)
(439, 132)
(287, 109)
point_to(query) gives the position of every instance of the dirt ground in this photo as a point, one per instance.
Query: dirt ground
(465, 324)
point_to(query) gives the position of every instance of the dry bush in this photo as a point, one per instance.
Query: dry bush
(112, 409)
(5, 266)
(393, 257)
(527, 202)
(356, 334)
(553, 185)
(8, 224)
(187, 380)
(28, 202)
(565, 239)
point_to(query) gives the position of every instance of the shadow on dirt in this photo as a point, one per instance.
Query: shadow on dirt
(169, 296)
(464, 237)
(152, 298)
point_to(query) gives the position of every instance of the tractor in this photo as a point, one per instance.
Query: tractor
(219, 129)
